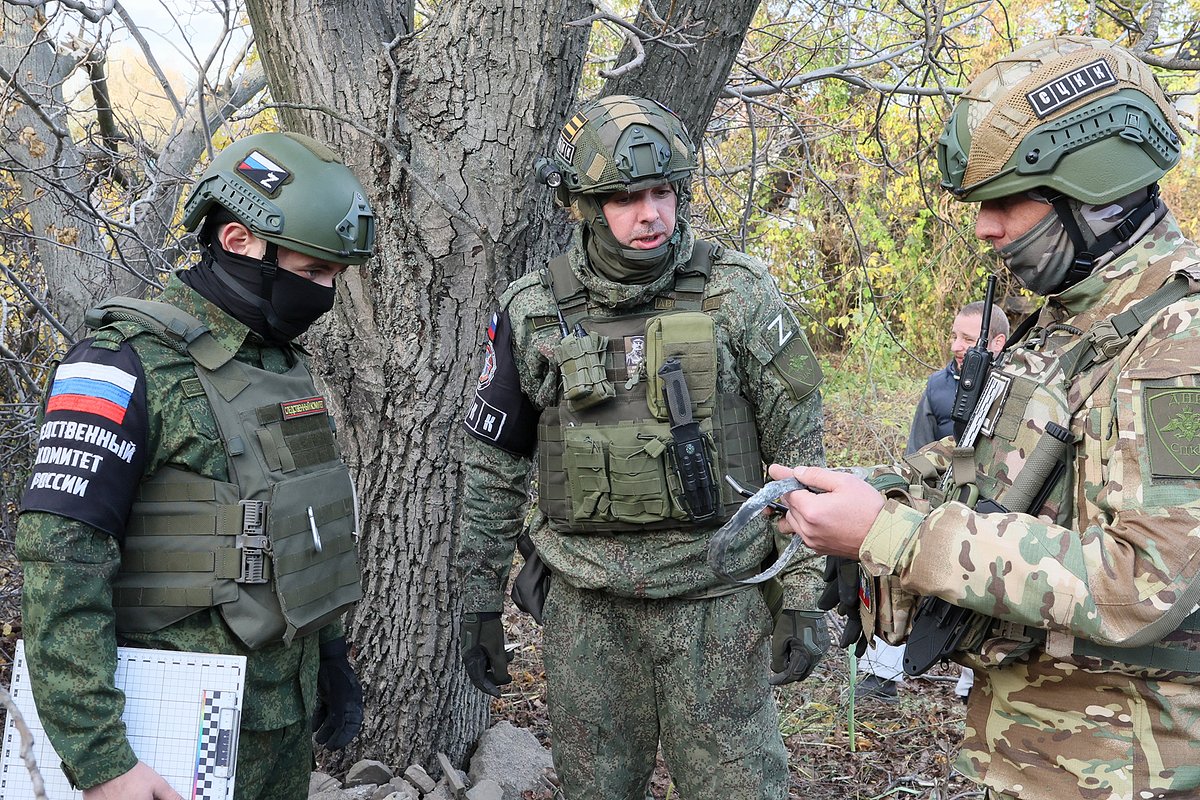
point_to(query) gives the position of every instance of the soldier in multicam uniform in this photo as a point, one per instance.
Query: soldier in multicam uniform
(641, 643)
(188, 493)
(1083, 577)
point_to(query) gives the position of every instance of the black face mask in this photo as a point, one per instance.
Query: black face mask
(279, 310)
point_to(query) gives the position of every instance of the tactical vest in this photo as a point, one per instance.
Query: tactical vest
(606, 468)
(274, 549)
(1032, 391)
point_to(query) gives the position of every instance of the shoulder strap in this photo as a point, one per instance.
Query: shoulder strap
(571, 296)
(691, 280)
(174, 326)
(1107, 337)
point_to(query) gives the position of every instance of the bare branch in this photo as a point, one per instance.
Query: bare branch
(85, 9)
(136, 32)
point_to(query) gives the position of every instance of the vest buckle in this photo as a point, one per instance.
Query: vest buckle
(1106, 339)
(253, 543)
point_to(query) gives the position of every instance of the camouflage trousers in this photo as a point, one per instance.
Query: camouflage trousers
(276, 764)
(624, 675)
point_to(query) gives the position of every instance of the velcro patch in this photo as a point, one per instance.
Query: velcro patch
(1173, 431)
(263, 172)
(791, 357)
(1066, 89)
(304, 407)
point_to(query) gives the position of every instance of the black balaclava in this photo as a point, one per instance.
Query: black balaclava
(274, 303)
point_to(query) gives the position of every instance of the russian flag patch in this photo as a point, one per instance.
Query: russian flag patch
(98, 389)
(264, 172)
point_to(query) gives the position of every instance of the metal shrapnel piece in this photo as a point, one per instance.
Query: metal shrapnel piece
(718, 546)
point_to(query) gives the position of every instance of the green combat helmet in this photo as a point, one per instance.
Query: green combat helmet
(1077, 116)
(618, 144)
(290, 190)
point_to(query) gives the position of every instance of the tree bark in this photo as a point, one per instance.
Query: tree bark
(40, 154)
(442, 129)
(689, 81)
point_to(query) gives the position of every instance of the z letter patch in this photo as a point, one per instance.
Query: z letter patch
(1173, 431)
(263, 172)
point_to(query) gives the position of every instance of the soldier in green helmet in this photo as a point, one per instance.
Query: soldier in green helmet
(630, 375)
(189, 494)
(1062, 534)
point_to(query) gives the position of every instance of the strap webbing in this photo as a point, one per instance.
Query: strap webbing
(1108, 336)
(571, 296)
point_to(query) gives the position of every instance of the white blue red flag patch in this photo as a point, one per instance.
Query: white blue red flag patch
(92, 389)
(263, 172)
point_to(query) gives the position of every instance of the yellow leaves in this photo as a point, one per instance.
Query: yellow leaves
(66, 236)
(28, 137)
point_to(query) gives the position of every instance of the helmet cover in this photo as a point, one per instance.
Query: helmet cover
(1074, 114)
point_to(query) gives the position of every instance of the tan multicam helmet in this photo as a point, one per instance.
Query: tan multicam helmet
(1073, 114)
(619, 143)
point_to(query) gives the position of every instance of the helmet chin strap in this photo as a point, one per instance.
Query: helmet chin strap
(1085, 253)
(268, 269)
(270, 266)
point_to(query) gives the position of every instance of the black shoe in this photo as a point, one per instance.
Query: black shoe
(873, 687)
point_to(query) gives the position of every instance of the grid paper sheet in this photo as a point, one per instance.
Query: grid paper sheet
(182, 715)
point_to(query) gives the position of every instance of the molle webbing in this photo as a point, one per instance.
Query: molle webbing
(273, 549)
(736, 443)
(571, 296)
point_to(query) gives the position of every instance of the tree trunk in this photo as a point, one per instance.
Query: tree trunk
(688, 81)
(40, 154)
(450, 122)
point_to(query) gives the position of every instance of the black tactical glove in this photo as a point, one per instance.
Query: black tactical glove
(797, 645)
(339, 713)
(483, 651)
(841, 592)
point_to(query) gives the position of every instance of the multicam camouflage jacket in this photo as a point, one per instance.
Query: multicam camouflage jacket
(115, 414)
(1088, 680)
(761, 355)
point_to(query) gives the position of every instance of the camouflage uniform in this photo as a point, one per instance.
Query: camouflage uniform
(642, 641)
(1108, 562)
(69, 566)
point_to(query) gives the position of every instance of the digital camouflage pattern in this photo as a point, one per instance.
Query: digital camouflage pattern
(668, 563)
(639, 632)
(1110, 559)
(610, 722)
(67, 611)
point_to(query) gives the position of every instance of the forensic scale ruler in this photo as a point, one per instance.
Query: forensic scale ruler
(182, 712)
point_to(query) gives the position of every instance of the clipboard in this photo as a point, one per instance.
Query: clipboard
(182, 717)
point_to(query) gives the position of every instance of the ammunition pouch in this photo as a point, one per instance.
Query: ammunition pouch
(585, 380)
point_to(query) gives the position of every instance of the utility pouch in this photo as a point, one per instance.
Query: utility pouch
(532, 583)
(690, 337)
(585, 378)
(313, 550)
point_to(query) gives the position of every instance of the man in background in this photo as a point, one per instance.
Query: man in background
(883, 663)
